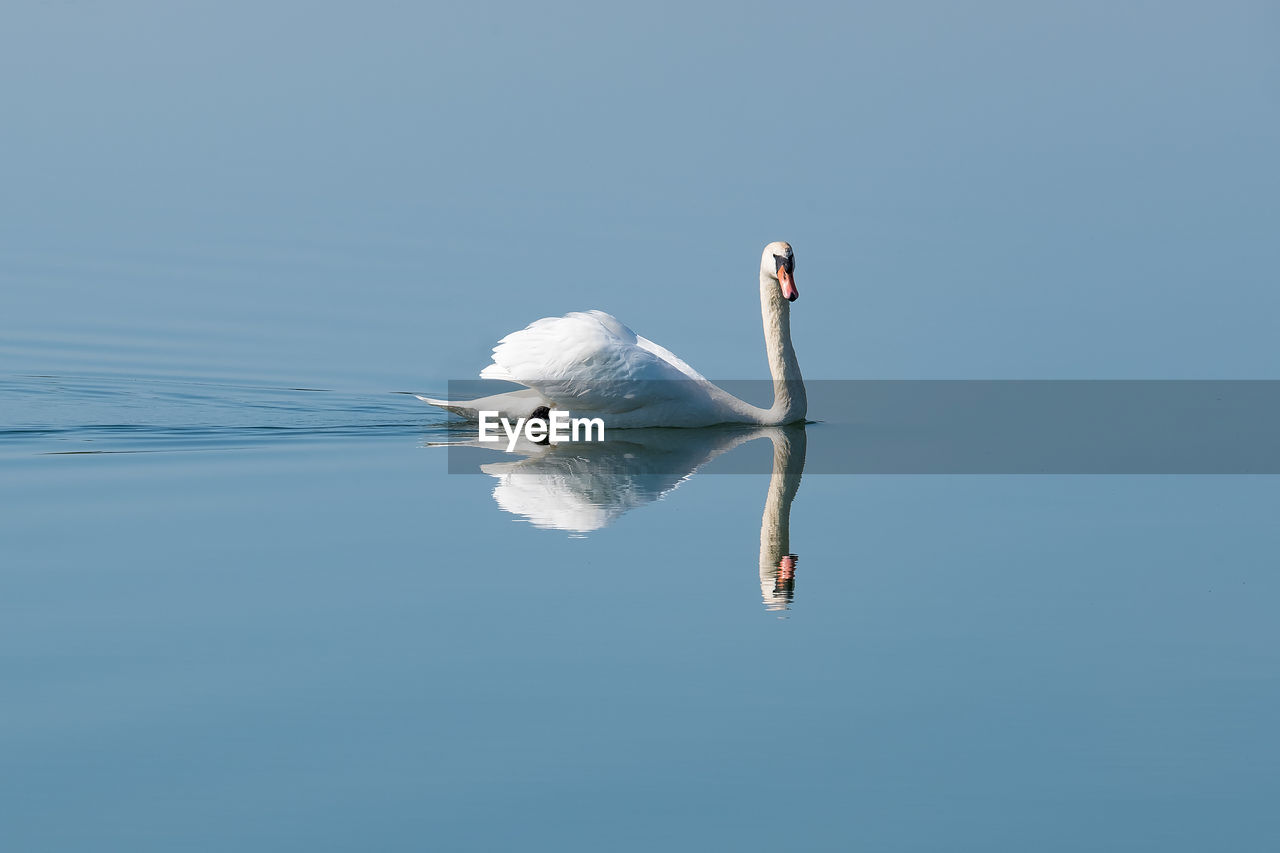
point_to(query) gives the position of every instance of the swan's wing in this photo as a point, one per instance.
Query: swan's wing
(590, 361)
(667, 355)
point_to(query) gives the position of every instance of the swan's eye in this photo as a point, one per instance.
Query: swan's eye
(787, 261)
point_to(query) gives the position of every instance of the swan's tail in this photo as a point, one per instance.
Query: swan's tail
(458, 407)
(513, 404)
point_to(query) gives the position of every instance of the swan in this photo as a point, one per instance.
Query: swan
(592, 365)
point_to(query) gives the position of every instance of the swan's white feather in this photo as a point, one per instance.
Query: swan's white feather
(512, 404)
(590, 362)
(668, 356)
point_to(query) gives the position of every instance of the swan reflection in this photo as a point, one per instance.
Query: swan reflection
(583, 487)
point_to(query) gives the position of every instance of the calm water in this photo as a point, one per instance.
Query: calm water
(246, 607)
(267, 618)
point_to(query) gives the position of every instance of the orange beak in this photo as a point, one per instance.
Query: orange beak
(789, 291)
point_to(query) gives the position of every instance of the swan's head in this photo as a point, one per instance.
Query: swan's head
(779, 263)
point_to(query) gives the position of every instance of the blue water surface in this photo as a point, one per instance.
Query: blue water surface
(246, 607)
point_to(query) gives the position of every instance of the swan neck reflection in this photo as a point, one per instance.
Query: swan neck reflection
(583, 487)
(777, 563)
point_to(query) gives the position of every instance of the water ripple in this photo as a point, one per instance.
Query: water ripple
(64, 415)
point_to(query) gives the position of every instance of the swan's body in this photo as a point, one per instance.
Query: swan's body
(594, 366)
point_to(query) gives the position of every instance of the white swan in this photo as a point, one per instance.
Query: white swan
(594, 366)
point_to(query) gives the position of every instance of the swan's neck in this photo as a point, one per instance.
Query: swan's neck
(789, 401)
